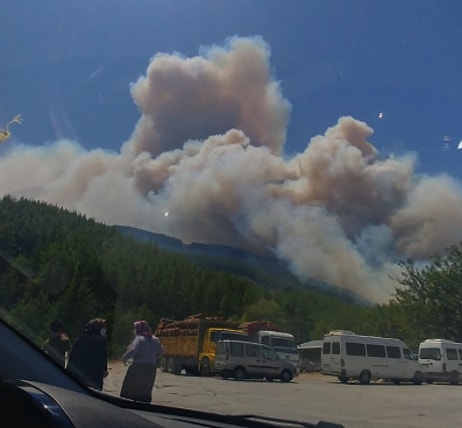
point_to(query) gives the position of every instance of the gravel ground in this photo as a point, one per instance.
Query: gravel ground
(310, 397)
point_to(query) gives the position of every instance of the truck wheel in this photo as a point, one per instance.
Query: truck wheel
(189, 371)
(365, 377)
(239, 373)
(286, 376)
(172, 366)
(204, 367)
(163, 364)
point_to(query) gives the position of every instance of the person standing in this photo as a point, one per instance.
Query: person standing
(88, 359)
(144, 352)
(58, 344)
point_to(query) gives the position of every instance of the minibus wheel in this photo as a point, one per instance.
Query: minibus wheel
(365, 377)
(418, 378)
(454, 378)
(343, 379)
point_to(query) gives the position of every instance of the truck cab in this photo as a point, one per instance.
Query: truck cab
(283, 344)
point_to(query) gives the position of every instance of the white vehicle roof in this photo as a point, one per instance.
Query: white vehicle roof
(366, 339)
(438, 341)
(276, 334)
(340, 333)
(311, 344)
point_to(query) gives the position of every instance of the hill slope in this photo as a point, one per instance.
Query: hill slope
(267, 271)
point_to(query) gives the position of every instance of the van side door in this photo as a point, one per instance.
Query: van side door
(271, 363)
(395, 362)
(331, 356)
(253, 360)
(452, 363)
(377, 360)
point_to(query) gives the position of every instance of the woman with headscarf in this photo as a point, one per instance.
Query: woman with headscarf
(88, 359)
(144, 352)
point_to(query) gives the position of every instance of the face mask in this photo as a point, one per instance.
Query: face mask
(102, 332)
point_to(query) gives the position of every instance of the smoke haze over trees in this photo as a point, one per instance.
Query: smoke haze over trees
(206, 163)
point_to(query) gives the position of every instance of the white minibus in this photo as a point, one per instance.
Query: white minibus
(350, 356)
(441, 360)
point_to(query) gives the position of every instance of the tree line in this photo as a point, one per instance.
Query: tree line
(60, 264)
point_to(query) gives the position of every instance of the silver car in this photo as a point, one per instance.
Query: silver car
(246, 360)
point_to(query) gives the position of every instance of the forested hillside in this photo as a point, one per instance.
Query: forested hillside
(264, 269)
(56, 263)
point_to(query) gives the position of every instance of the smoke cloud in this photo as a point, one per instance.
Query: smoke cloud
(205, 163)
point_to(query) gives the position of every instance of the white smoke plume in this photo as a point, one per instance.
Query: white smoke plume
(208, 150)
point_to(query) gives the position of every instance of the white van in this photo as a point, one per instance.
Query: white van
(350, 356)
(246, 360)
(441, 360)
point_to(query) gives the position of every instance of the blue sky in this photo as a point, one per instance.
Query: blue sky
(333, 58)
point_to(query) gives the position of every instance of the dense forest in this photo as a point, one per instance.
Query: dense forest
(56, 263)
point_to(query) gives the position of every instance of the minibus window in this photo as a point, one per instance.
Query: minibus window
(375, 351)
(355, 349)
(393, 352)
(326, 348)
(336, 348)
(430, 353)
(452, 354)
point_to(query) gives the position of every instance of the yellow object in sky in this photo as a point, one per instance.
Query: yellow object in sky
(5, 133)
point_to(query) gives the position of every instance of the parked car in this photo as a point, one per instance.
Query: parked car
(244, 360)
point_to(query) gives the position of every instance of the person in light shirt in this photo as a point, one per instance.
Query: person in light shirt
(143, 352)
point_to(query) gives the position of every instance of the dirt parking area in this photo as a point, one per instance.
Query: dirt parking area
(310, 397)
